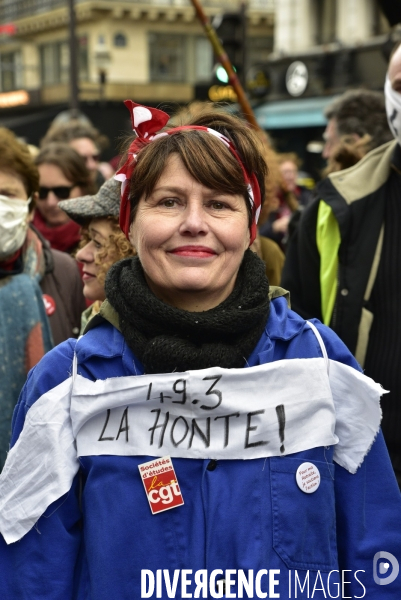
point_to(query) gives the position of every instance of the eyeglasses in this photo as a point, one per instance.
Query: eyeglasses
(61, 191)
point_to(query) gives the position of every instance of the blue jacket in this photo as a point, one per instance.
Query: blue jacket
(94, 541)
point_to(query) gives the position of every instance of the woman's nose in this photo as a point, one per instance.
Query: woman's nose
(85, 254)
(194, 219)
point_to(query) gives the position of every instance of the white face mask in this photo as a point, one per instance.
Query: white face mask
(13, 224)
(393, 109)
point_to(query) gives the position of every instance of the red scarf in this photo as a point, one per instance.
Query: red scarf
(64, 237)
(9, 263)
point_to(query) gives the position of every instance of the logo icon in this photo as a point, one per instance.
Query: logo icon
(161, 485)
(383, 560)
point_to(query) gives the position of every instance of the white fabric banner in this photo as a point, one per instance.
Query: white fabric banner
(40, 466)
(268, 410)
(274, 409)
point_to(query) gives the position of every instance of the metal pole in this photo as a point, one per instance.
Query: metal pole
(223, 59)
(244, 43)
(74, 92)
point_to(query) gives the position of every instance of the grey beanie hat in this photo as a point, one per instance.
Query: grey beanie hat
(106, 203)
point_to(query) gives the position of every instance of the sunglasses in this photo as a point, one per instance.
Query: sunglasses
(61, 191)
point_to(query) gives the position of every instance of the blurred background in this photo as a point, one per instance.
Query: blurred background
(63, 58)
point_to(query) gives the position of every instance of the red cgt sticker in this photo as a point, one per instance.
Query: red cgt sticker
(161, 485)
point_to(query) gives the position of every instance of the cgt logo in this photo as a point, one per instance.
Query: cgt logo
(381, 565)
(161, 485)
(165, 493)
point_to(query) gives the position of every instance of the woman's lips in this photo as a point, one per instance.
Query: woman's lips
(86, 276)
(193, 251)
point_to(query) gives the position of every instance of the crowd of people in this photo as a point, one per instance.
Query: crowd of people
(257, 410)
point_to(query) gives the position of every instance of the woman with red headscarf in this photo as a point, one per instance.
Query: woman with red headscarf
(200, 439)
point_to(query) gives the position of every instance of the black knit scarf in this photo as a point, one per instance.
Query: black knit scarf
(168, 339)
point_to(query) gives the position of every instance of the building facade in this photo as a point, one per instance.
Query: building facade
(152, 51)
(321, 49)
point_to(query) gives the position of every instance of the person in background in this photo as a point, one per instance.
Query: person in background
(356, 113)
(63, 175)
(289, 164)
(40, 289)
(343, 265)
(86, 140)
(347, 153)
(281, 209)
(291, 199)
(357, 123)
(103, 243)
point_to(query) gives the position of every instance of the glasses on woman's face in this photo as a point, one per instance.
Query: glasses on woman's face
(61, 191)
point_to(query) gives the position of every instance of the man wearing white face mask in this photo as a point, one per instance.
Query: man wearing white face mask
(349, 262)
(40, 289)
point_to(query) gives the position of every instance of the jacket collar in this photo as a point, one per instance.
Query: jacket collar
(282, 325)
(364, 178)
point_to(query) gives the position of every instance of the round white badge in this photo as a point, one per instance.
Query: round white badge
(308, 477)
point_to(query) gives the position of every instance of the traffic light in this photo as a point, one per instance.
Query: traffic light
(221, 74)
(230, 29)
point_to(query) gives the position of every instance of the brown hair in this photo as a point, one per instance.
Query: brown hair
(116, 248)
(273, 176)
(289, 157)
(75, 129)
(70, 163)
(205, 157)
(347, 153)
(361, 112)
(16, 158)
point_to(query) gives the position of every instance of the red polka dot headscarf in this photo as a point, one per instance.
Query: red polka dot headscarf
(146, 123)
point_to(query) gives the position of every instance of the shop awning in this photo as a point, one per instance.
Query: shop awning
(305, 112)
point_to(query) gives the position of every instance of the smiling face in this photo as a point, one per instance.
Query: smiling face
(99, 231)
(190, 239)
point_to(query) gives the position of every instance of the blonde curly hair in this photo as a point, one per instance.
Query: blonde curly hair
(116, 248)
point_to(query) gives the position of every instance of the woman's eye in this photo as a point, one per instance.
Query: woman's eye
(218, 205)
(169, 202)
(97, 245)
